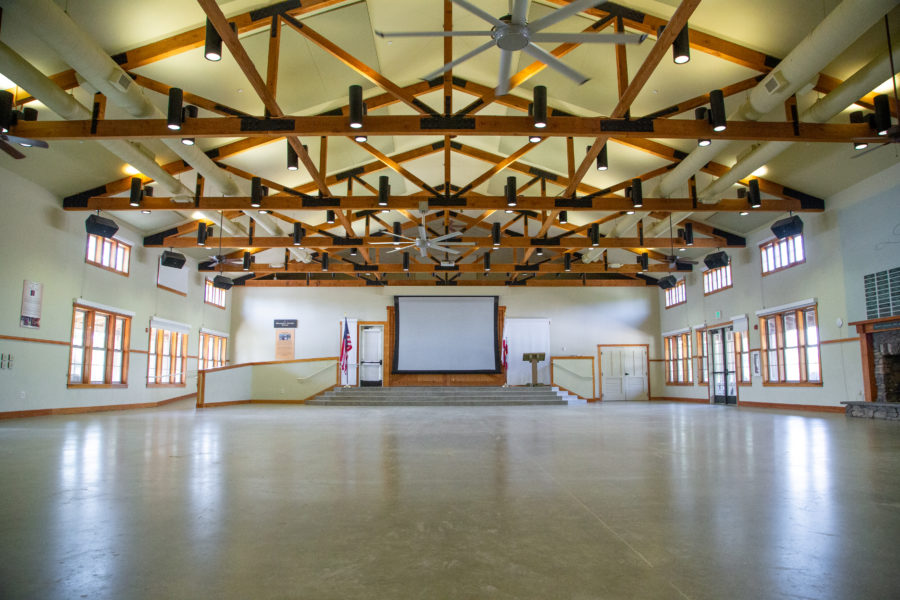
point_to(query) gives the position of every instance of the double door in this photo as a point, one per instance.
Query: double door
(623, 373)
(722, 372)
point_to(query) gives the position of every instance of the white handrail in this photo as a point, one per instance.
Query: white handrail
(328, 366)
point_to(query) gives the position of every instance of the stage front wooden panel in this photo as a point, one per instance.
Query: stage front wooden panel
(439, 379)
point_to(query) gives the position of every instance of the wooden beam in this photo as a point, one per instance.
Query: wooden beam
(273, 56)
(499, 166)
(394, 165)
(620, 281)
(347, 266)
(189, 98)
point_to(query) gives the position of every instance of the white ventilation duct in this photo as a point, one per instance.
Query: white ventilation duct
(842, 26)
(48, 22)
(271, 227)
(826, 108)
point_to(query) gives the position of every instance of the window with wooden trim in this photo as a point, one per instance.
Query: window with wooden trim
(213, 295)
(108, 253)
(98, 355)
(167, 358)
(717, 279)
(676, 295)
(212, 351)
(702, 344)
(789, 343)
(742, 356)
(678, 359)
(779, 254)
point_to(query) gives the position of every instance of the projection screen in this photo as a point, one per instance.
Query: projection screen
(446, 334)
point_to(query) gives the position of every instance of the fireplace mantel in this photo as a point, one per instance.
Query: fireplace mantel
(867, 331)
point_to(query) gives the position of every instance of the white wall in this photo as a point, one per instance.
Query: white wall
(43, 243)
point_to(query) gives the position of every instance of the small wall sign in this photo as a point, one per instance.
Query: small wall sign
(285, 323)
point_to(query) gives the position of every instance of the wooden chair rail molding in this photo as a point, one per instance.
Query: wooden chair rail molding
(268, 362)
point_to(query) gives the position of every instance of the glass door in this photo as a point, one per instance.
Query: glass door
(723, 375)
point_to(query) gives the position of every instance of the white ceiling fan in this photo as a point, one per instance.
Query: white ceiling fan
(513, 32)
(423, 244)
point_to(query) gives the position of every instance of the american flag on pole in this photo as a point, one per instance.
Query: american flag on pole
(346, 347)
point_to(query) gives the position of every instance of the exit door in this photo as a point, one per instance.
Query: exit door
(723, 377)
(371, 355)
(623, 373)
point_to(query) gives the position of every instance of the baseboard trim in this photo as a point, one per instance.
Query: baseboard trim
(78, 410)
(803, 407)
(675, 399)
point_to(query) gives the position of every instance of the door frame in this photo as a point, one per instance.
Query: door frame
(385, 373)
(600, 348)
(709, 361)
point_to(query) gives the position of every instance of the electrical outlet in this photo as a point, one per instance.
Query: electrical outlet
(21, 394)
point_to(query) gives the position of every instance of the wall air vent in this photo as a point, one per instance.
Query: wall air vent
(775, 82)
(882, 294)
(120, 80)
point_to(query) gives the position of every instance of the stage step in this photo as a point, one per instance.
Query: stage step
(439, 396)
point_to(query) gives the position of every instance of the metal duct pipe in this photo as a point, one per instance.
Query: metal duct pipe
(45, 90)
(271, 227)
(842, 26)
(48, 22)
(826, 108)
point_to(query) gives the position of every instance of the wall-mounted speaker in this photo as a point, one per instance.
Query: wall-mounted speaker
(667, 282)
(716, 260)
(172, 259)
(101, 226)
(222, 282)
(787, 227)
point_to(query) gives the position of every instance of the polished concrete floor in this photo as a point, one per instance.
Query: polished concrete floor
(599, 501)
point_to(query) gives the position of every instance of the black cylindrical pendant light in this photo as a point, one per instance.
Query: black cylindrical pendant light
(298, 234)
(245, 264)
(717, 110)
(681, 47)
(882, 119)
(487, 261)
(384, 190)
(201, 234)
(563, 217)
(398, 231)
(540, 106)
(175, 115)
(324, 261)
(495, 234)
(510, 191)
(188, 112)
(688, 234)
(539, 251)
(602, 159)
(356, 106)
(594, 234)
(329, 216)
(637, 193)
(256, 192)
(567, 262)
(137, 192)
(293, 161)
(213, 48)
(406, 261)
(755, 201)
(644, 261)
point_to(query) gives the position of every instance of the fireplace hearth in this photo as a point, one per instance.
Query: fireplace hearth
(880, 348)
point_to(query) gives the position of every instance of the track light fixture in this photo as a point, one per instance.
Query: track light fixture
(540, 106)
(882, 119)
(256, 192)
(495, 234)
(602, 159)
(245, 264)
(329, 216)
(717, 110)
(406, 261)
(487, 261)
(637, 193)
(644, 261)
(594, 234)
(563, 217)
(567, 262)
(681, 47)
(137, 193)
(213, 48)
(398, 231)
(511, 191)
(384, 190)
(324, 261)
(202, 232)
(298, 234)
(293, 161)
(755, 201)
(688, 234)
(175, 114)
(357, 109)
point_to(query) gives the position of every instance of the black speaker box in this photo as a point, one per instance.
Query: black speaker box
(101, 226)
(172, 259)
(716, 260)
(667, 282)
(787, 227)
(222, 282)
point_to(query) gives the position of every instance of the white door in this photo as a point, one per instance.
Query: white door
(371, 355)
(623, 373)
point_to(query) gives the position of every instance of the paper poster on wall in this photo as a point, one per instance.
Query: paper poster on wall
(284, 344)
(32, 294)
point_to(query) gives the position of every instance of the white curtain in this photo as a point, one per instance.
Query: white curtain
(526, 336)
(353, 357)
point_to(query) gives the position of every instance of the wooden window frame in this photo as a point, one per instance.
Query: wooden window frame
(743, 375)
(679, 289)
(116, 244)
(215, 292)
(775, 244)
(702, 348)
(88, 348)
(678, 358)
(719, 272)
(779, 351)
(156, 358)
(220, 351)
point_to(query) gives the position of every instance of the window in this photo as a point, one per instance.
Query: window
(790, 347)
(108, 253)
(676, 295)
(212, 350)
(777, 255)
(742, 350)
(678, 359)
(716, 279)
(167, 360)
(702, 343)
(99, 351)
(213, 295)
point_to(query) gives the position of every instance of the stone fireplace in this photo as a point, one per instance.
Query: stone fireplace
(880, 347)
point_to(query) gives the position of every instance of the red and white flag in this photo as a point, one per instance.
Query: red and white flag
(504, 354)
(346, 347)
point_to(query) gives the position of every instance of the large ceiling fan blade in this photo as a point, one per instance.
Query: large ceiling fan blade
(563, 13)
(479, 13)
(873, 149)
(589, 38)
(10, 150)
(461, 59)
(400, 249)
(443, 249)
(387, 34)
(520, 11)
(455, 243)
(505, 68)
(554, 63)
(396, 235)
(27, 142)
(423, 233)
(447, 236)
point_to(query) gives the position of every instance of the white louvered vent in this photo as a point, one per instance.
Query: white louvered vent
(882, 294)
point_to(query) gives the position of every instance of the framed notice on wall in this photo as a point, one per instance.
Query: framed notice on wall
(32, 294)
(284, 344)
